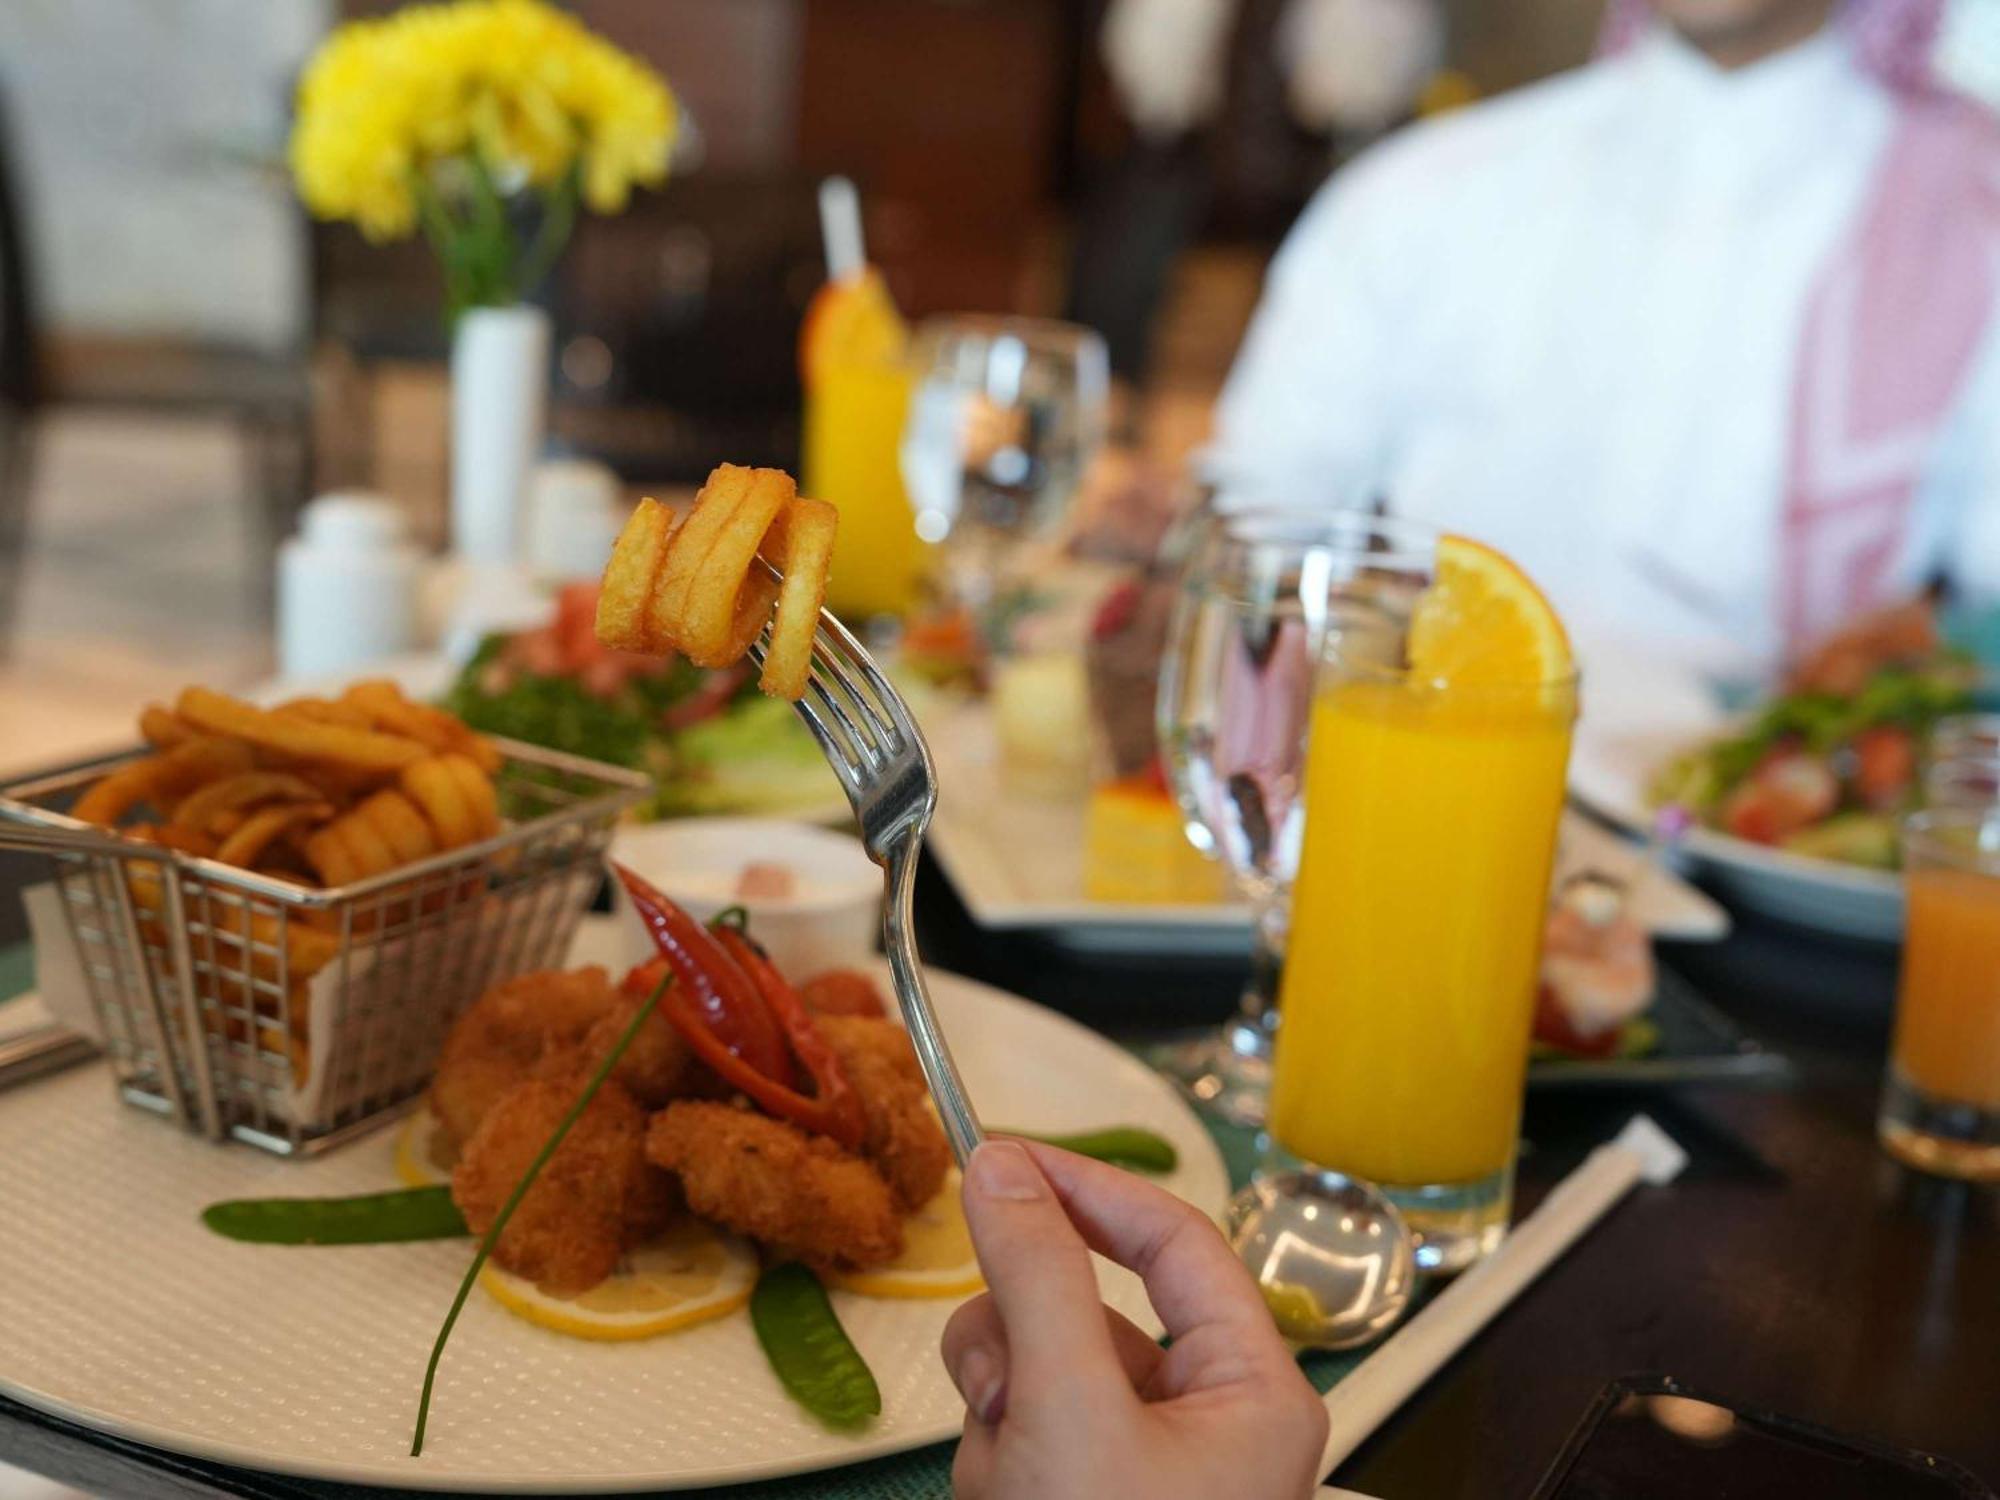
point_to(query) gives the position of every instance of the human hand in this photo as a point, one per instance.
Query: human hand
(1066, 1397)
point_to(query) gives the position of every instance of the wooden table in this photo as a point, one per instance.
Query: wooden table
(1792, 1267)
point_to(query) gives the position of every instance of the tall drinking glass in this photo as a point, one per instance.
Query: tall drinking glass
(855, 412)
(1006, 414)
(1416, 933)
(1941, 1109)
(1259, 593)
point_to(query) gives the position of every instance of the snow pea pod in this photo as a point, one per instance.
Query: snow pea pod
(1121, 1145)
(372, 1219)
(811, 1353)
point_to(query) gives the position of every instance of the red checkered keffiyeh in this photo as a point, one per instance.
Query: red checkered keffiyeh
(1895, 324)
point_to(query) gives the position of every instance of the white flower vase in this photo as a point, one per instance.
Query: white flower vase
(499, 401)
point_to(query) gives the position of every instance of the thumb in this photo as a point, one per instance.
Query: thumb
(1040, 1274)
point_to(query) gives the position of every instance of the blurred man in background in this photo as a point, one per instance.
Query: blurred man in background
(1703, 334)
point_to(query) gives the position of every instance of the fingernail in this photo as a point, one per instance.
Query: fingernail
(1001, 1169)
(978, 1379)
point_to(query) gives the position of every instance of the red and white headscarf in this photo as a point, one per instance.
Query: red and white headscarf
(1895, 324)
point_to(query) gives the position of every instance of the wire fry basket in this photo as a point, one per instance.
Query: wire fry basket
(251, 1008)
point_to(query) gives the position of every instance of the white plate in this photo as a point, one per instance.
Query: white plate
(1613, 762)
(121, 1312)
(1017, 862)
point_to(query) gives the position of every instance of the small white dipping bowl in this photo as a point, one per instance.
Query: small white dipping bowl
(832, 922)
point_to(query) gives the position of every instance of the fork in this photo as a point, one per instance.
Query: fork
(870, 738)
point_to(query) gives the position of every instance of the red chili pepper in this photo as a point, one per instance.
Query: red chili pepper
(723, 978)
(837, 1107)
(709, 987)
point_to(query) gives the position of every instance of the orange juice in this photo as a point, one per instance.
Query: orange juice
(851, 353)
(1948, 1013)
(1416, 927)
(853, 437)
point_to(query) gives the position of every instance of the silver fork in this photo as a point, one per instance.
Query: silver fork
(871, 740)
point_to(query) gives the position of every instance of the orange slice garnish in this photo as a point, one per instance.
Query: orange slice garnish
(1482, 622)
(851, 322)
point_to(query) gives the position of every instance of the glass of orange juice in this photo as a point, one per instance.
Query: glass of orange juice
(1941, 1109)
(1434, 783)
(858, 382)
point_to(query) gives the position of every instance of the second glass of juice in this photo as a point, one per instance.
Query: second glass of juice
(1416, 933)
(1941, 1109)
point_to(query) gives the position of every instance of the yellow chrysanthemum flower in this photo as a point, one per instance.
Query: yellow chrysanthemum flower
(394, 111)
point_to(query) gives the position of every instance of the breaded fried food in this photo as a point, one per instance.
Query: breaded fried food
(658, 1067)
(777, 1184)
(504, 1035)
(472, 1076)
(595, 1198)
(553, 1006)
(905, 1142)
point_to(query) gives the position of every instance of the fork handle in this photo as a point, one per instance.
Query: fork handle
(961, 1125)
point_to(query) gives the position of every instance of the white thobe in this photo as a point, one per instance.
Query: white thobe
(1567, 322)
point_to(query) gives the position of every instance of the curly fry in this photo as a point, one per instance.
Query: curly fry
(477, 789)
(799, 544)
(435, 788)
(324, 711)
(161, 728)
(386, 708)
(244, 845)
(160, 778)
(624, 601)
(245, 789)
(397, 822)
(706, 593)
(306, 739)
(700, 588)
(326, 851)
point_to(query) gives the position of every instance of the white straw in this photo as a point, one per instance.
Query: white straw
(1386, 1379)
(840, 229)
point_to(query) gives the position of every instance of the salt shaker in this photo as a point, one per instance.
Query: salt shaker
(574, 516)
(347, 585)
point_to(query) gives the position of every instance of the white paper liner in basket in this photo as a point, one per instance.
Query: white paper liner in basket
(328, 1091)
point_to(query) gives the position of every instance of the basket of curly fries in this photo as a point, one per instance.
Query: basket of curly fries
(278, 911)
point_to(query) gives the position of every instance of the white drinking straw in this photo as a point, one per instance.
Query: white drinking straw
(1386, 1379)
(840, 229)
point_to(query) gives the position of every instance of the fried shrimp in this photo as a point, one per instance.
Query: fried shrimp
(777, 1184)
(503, 1037)
(904, 1140)
(656, 1068)
(596, 1196)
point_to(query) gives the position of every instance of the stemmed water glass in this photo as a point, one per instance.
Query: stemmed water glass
(1005, 416)
(1259, 592)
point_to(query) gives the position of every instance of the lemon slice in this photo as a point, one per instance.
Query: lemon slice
(937, 1258)
(423, 1156)
(691, 1274)
(1482, 622)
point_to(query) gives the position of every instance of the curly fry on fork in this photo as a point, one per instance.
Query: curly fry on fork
(703, 588)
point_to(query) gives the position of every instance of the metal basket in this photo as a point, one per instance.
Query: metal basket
(249, 1007)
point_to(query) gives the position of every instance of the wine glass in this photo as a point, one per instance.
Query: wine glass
(1261, 593)
(1006, 414)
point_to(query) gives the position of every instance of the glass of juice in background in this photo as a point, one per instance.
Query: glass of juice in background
(1416, 929)
(1941, 1108)
(854, 357)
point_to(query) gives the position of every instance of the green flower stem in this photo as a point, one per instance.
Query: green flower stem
(478, 251)
(558, 219)
(514, 1201)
